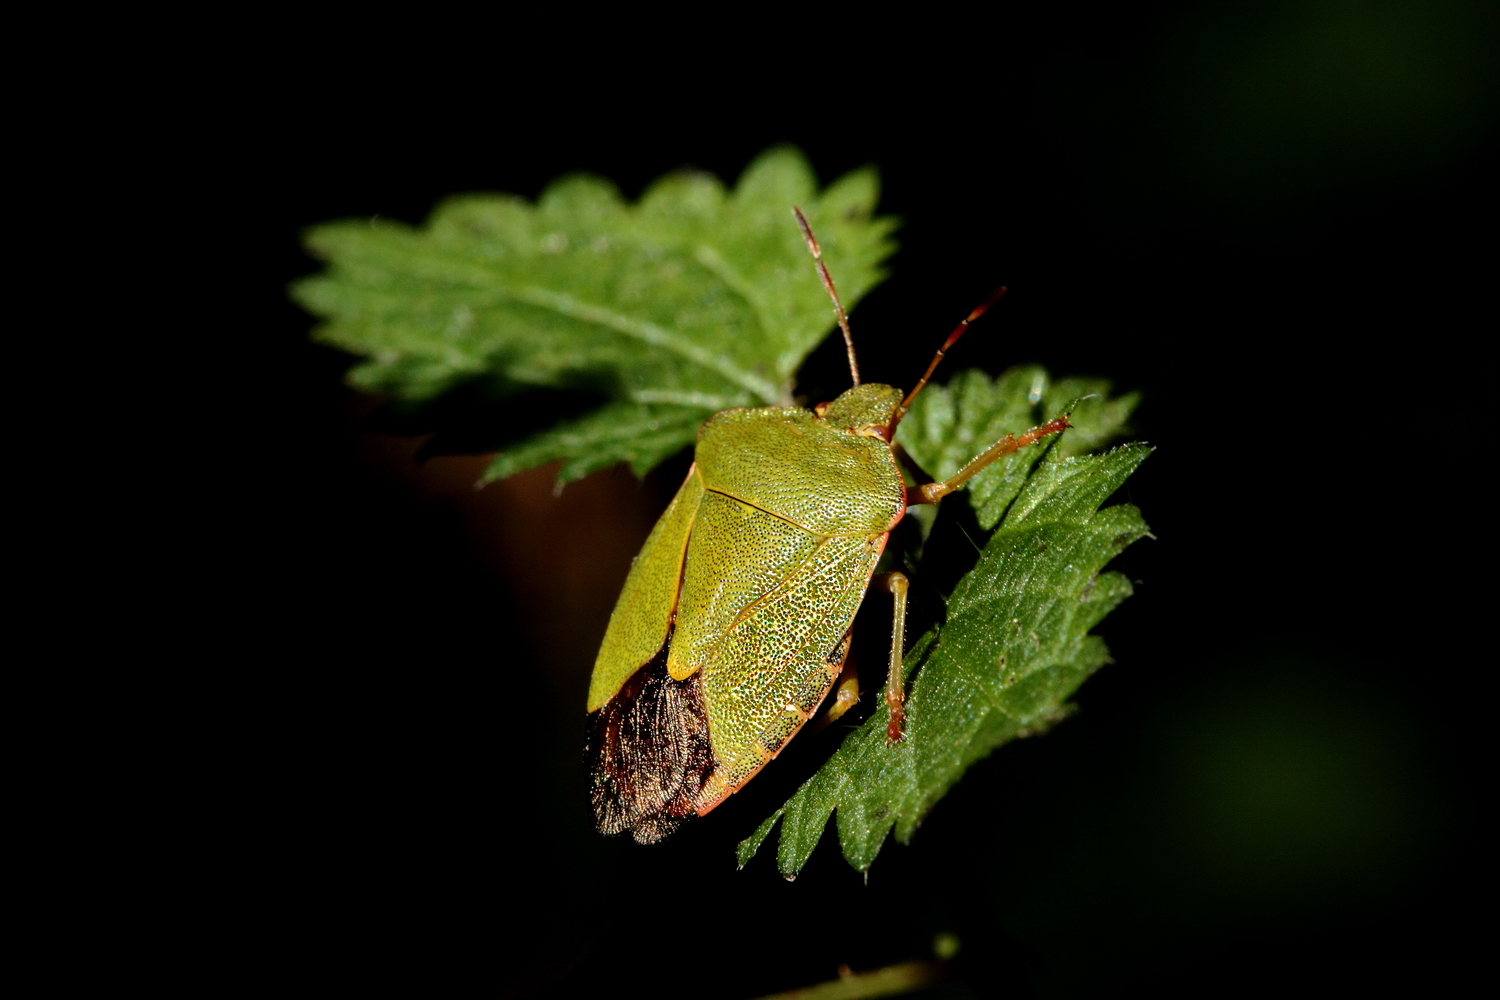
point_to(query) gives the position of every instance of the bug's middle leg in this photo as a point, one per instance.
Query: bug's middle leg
(896, 585)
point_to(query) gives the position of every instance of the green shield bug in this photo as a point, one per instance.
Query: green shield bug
(734, 622)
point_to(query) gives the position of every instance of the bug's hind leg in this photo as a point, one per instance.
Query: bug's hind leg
(896, 585)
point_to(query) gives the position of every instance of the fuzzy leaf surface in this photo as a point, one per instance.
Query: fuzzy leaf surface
(691, 301)
(1015, 644)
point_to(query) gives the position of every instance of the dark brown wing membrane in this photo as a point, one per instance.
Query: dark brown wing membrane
(648, 753)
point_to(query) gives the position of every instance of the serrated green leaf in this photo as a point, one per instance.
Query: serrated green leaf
(1015, 644)
(694, 300)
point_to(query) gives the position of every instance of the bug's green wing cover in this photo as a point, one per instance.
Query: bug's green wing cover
(792, 524)
(764, 610)
(642, 616)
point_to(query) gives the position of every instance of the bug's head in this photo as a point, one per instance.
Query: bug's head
(866, 409)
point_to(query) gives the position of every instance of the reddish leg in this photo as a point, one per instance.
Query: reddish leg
(1008, 445)
(896, 585)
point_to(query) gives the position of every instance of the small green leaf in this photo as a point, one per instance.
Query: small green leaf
(1015, 644)
(694, 300)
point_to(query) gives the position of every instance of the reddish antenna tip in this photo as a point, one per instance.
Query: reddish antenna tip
(807, 234)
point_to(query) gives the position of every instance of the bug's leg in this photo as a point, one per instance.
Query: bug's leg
(845, 693)
(896, 585)
(1008, 445)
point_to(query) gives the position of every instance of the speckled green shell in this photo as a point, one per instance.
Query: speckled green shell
(749, 583)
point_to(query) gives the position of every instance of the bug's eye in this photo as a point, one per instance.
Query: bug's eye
(821, 409)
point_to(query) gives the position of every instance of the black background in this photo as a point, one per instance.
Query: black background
(1232, 211)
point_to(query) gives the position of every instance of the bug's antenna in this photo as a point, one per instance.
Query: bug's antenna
(958, 331)
(838, 307)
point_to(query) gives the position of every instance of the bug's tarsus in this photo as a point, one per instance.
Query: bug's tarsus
(958, 331)
(838, 307)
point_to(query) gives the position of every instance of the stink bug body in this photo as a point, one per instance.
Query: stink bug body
(734, 622)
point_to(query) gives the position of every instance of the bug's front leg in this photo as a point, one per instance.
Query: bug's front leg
(1008, 445)
(896, 585)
